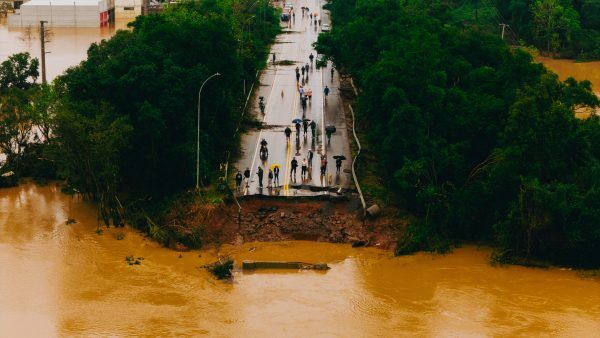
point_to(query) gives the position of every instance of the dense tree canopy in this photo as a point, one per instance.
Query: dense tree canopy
(128, 113)
(473, 137)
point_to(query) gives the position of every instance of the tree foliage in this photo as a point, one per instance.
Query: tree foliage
(473, 137)
(127, 115)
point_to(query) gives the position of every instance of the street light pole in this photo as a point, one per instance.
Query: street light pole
(198, 145)
(43, 49)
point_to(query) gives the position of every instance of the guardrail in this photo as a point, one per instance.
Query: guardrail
(360, 194)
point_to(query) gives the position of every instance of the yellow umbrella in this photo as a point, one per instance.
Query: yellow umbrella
(274, 165)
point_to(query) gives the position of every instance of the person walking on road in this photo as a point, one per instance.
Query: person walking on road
(305, 126)
(332, 71)
(313, 127)
(311, 57)
(297, 77)
(294, 165)
(247, 176)
(304, 169)
(288, 133)
(238, 180)
(303, 71)
(328, 132)
(310, 157)
(323, 165)
(273, 58)
(260, 174)
(338, 164)
(326, 91)
(270, 177)
(276, 176)
(298, 129)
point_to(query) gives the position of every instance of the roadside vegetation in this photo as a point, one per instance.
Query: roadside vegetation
(473, 138)
(123, 123)
(557, 28)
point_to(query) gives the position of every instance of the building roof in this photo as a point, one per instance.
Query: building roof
(62, 3)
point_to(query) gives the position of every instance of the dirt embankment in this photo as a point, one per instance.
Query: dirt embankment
(272, 219)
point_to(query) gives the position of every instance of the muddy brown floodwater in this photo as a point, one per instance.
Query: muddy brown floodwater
(65, 280)
(67, 46)
(579, 71)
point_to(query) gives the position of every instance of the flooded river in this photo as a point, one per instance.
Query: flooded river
(67, 46)
(578, 70)
(64, 280)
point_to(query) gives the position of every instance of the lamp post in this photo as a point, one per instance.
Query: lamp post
(198, 145)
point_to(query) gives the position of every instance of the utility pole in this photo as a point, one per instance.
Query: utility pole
(43, 47)
(503, 27)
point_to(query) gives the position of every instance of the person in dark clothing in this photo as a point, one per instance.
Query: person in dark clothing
(270, 176)
(303, 71)
(305, 126)
(288, 133)
(260, 174)
(294, 165)
(311, 57)
(273, 58)
(310, 157)
(238, 180)
(338, 164)
(328, 134)
(298, 129)
(276, 176)
(313, 127)
(247, 176)
(297, 77)
(326, 91)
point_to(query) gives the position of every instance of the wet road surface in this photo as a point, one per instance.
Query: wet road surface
(280, 90)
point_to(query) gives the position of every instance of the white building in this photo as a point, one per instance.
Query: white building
(63, 13)
(128, 9)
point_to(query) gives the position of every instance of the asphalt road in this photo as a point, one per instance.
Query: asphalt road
(279, 88)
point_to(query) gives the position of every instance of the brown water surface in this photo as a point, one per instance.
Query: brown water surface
(65, 280)
(579, 71)
(67, 46)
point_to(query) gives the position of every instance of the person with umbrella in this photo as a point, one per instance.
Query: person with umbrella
(313, 127)
(338, 162)
(238, 180)
(260, 174)
(304, 169)
(328, 131)
(298, 125)
(288, 133)
(294, 165)
(247, 175)
(305, 126)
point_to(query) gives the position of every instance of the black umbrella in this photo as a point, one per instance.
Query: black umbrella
(297, 120)
(263, 142)
(330, 129)
(305, 120)
(340, 157)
